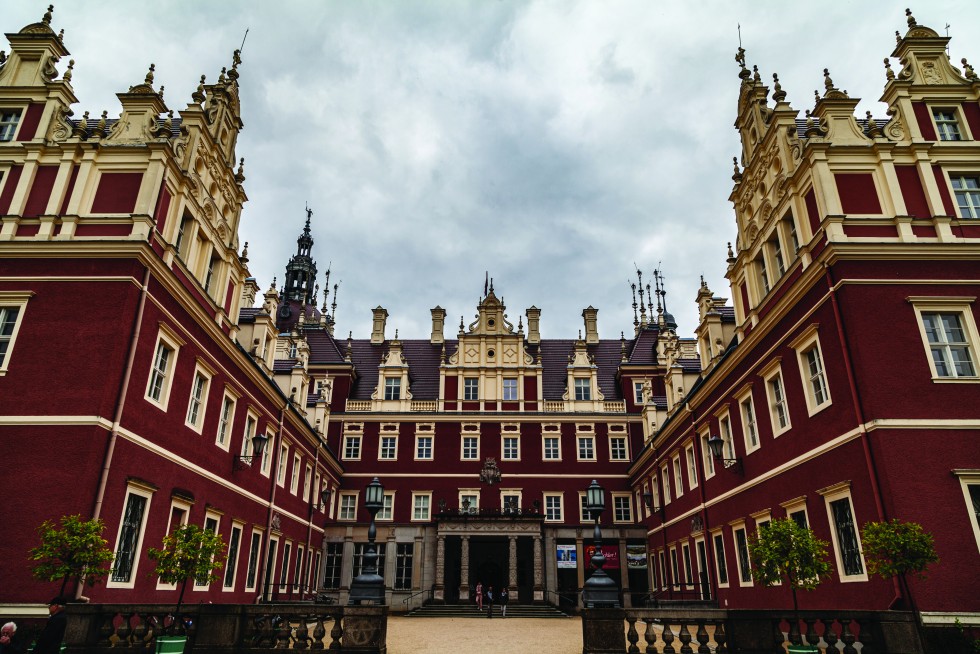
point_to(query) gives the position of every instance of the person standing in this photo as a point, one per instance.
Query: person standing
(504, 596)
(10, 641)
(489, 601)
(479, 596)
(49, 642)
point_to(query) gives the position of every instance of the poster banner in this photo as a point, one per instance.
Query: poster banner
(567, 556)
(611, 552)
(636, 557)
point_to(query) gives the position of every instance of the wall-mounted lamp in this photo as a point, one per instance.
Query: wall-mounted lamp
(324, 499)
(648, 502)
(258, 447)
(717, 445)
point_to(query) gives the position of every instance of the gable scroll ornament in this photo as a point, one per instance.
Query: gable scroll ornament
(490, 474)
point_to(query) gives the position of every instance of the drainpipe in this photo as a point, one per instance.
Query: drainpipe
(699, 462)
(314, 497)
(267, 572)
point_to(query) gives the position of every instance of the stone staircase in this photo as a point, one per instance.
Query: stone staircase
(470, 611)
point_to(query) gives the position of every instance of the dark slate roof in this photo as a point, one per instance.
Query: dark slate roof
(323, 348)
(423, 366)
(727, 313)
(659, 401)
(283, 365)
(690, 365)
(644, 350)
(247, 315)
(862, 123)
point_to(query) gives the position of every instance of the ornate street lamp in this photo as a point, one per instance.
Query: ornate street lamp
(258, 447)
(600, 591)
(369, 585)
(324, 499)
(717, 444)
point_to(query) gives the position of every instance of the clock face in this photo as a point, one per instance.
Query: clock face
(285, 311)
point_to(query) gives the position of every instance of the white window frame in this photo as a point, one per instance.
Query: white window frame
(583, 389)
(222, 435)
(231, 564)
(383, 454)
(146, 493)
(807, 342)
(675, 463)
(739, 526)
(950, 125)
(184, 506)
(772, 377)
(471, 389)
(579, 438)
(628, 497)
(638, 392)
(258, 558)
(963, 306)
(832, 494)
(18, 301)
(10, 122)
(474, 496)
(392, 388)
(294, 478)
(619, 438)
(511, 492)
(504, 388)
(584, 515)
(561, 506)
(248, 435)
(418, 505)
(347, 512)
(726, 434)
(419, 454)
(692, 466)
(665, 476)
(281, 463)
(970, 194)
(655, 490)
(750, 421)
(387, 511)
(217, 528)
(544, 445)
(205, 374)
(707, 461)
(169, 340)
(307, 482)
(687, 565)
(504, 436)
(969, 478)
(719, 535)
(265, 466)
(462, 447)
(351, 451)
(797, 505)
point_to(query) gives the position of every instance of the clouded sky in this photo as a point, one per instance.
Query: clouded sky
(552, 144)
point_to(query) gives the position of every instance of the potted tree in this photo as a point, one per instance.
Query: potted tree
(189, 552)
(73, 550)
(785, 551)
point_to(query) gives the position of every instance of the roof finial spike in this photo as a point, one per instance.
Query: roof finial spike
(309, 214)
(778, 94)
(731, 255)
(910, 18)
(396, 333)
(737, 176)
(149, 75)
(743, 72)
(333, 305)
(827, 82)
(816, 96)
(47, 15)
(67, 76)
(221, 77)
(650, 300)
(635, 321)
(244, 257)
(160, 92)
(491, 284)
(663, 290)
(199, 95)
(889, 73)
(756, 77)
(898, 37)
(61, 35)
(643, 308)
(240, 174)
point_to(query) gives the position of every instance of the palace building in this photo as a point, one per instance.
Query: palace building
(840, 385)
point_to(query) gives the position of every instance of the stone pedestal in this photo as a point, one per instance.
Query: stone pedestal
(603, 631)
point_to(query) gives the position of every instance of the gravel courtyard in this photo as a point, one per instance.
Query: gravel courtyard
(475, 635)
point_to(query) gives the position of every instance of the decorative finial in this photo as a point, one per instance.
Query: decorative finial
(168, 124)
(737, 176)
(968, 71)
(160, 92)
(221, 77)
(244, 257)
(779, 94)
(47, 15)
(910, 19)
(102, 121)
(81, 129)
(149, 75)
(236, 58)
(816, 95)
(873, 130)
(889, 73)
(61, 35)
(396, 333)
(731, 254)
(67, 76)
(827, 82)
(240, 175)
(898, 37)
(333, 305)
(755, 74)
(198, 96)
(635, 320)
(461, 324)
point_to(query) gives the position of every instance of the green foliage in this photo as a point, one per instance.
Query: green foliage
(73, 550)
(896, 548)
(188, 553)
(785, 551)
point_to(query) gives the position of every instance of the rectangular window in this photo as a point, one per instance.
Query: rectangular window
(552, 451)
(386, 451)
(294, 479)
(281, 464)
(199, 393)
(970, 482)
(307, 480)
(778, 411)
(231, 564)
(583, 511)
(270, 437)
(744, 565)
(209, 276)
(510, 390)
(678, 480)
(298, 568)
(846, 539)
(674, 568)
(225, 421)
(586, 448)
(423, 448)
(352, 447)
(949, 344)
(725, 425)
(387, 506)
(471, 448)
(692, 467)
(622, 508)
(688, 569)
(947, 125)
(583, 389)
(749, 428)
(708, 461)
(469, 502)
(11, 314)
(348, 507)
(967, 191)
(721, 565)
(655, 489)
(210, 524)
(8, 123)
(160, 373)
(421, 506)
(253, 560)
(663, 569)
(777, 255)
(130, 537)
(471, 388)
(665, 476)
(334, 556)
(404, 555)
(817, 380)
(794, 239)
(760, 264)
(617, 448)
(638, 392)
(247, 434)
(393, 388)
(552, 507)
(511, 448)
(510, 501)
(284, 569)
(358, 563)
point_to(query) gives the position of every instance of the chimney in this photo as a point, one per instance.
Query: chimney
(378, 328)
(591, 325)
(438, 321)
(533, 318)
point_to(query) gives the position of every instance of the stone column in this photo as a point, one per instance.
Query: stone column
(439, 595)
(464, 574)
(512, 568)
(538, 571)
(624, 575)
(580, 558)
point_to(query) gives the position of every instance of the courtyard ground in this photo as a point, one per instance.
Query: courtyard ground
(476, 635)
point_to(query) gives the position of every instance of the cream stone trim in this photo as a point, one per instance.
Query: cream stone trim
(167, 337)
(807, 342)
(968, 478)
(545, 435)
(950, 304)
(86, 421)
(200, 367)
(509, 475)
(428, 510)
(839, 487)
(775, 372)
(381, 439)
(832, 494)
(142, 491)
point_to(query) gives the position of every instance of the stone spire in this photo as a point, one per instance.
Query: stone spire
(301, 269)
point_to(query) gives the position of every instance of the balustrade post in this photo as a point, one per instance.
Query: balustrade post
(602, 631)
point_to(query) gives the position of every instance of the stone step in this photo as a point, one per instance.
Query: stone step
(470, 611)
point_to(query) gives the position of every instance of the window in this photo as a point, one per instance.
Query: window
(210, 524)
(760, 264)
(725, 425)
(469, 501)
(314, 568)
(423, 447)
(790, 227)
(352, 447)
(586, 448)
(655, 490)
(8, 123)
(708, 461)
(225, 421)
(358, 563)
(231, 564)
(11, 312)
(421, 505)
(253, 560)
(393, 388)
(471, 448)
(294, 479)
(387, 511)
(266, 465)
(967, 192)
(778, 412)
(742, 549)
(584, 515)
(583, 389)
(247, 434)
(307, 480)
(776, 248)
(334, 556)
(665, 476)
(404, 554)
(552, 507)
(970, 482)
(663, 569)
(209, 274)
(638, 392)
(749, 428)
(510, 390)
(949, 344)
(281, 464)
(721, 565)
(348, 506)
(386, 451)
(678, 480)
(946, 124)
(161, 371)
(688, 568)
(812, 370)
(674, 568)
(617, 448)
(844, 533)
(511, 448)
(471, 388)
(298, 568)
(622, 508)
(692, 467)
(510, 501)
(284, 570)
(130, 536)
(552, 450)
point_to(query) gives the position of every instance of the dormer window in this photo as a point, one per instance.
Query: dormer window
(292, 350)
(946, 124)
(583, 389)
(9, 118)
(393, 388)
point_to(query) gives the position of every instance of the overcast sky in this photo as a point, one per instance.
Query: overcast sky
(552, 144)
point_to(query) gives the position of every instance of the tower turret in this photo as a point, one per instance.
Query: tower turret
(301, 269)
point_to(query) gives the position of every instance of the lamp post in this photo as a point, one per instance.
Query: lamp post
(600, 591)
(716, 444)
(369, 585)
(258, 447)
